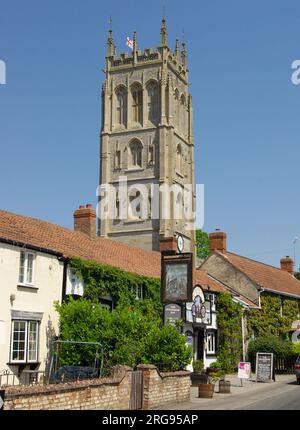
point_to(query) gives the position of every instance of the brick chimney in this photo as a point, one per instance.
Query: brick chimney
(168, 244)
(85, 220)
(217, 241)
(287, 264)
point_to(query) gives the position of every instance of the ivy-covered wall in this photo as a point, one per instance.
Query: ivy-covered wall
(274, 318)
(132, 334)
(229, 315)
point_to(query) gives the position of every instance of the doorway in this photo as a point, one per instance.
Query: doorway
(200, 345)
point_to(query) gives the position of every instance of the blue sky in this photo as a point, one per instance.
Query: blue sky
(246, 109)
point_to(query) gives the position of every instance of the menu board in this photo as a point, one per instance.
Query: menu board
(264, 367)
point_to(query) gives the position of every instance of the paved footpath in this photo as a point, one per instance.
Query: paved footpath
(283, 394)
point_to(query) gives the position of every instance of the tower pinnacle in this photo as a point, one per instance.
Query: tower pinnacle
(177, 50)
(163, 32)
(110, 44)
(183, 54)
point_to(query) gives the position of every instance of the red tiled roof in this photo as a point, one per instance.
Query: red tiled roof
(42, 234)
(207, 283)
(268, 277)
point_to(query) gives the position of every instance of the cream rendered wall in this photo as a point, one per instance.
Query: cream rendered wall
(48, 277)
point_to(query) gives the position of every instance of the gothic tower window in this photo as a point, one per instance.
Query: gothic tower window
(176, 108)
(151, 153)
(153, 102)
(121, 106)
(182, 114)
(118, 159)
(135, 154)
(134, 207)
(178, 159)
(137, 103)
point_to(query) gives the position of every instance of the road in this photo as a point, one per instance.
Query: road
(284, 394)
(282, 397)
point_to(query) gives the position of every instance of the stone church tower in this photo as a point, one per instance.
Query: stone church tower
(147, 140)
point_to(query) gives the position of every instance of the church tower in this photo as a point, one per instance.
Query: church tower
(147, 141)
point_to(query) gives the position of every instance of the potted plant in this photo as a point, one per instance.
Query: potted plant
(198, 376)
(224, 386)
(214, 367)
(206, 390)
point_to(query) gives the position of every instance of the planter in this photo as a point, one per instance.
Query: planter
(210, 370)
(206, 391)
(224, 387)
(198, 378)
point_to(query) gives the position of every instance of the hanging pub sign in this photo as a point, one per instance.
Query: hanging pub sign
(176, 278)
(173, 313)
(264, 367)
(199, 311)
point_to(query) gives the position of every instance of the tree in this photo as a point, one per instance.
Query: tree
(297, 275)
(202, 244)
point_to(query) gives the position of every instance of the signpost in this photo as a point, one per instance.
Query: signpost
(264, 367)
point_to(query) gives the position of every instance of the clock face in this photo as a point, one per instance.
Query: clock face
(180, 243)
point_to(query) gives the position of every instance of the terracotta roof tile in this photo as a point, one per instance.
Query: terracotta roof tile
(70, 243)
(267, 277)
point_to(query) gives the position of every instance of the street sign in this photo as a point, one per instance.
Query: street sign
(244, 370)
(2, 394)
(264, 367)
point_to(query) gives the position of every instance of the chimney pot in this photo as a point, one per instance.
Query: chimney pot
(217, 241)
(168, 244)
(85, 220)
(287, 264)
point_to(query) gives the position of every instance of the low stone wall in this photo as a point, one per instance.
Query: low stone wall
(103, 394)
(163, 388)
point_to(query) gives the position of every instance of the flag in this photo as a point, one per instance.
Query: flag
(129, 43)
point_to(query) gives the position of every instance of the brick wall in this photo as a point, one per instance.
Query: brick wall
(106, 393)
(103, 394)
(163, 388)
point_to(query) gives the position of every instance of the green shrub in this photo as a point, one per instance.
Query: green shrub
(296, 348)
(198, 366)
(280, 349)
(215, 365)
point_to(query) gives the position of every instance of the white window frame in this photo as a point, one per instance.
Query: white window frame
(212, 342)
(24, 281)
(138, 291)
(212, 298)
(26, 348)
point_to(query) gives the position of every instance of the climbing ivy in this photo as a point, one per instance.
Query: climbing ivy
(274, 318)
(229, 315)
(103, 280)
(133, 333)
